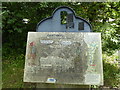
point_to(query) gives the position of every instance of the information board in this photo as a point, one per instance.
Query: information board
(64, 58)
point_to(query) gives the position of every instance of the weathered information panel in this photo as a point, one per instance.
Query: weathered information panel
(64, 58)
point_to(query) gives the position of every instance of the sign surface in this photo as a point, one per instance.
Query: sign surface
(64, 58)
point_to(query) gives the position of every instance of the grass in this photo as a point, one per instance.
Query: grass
(13, 71)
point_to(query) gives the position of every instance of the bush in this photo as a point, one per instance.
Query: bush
(111, 71)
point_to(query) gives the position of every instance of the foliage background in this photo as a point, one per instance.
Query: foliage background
(104, 18)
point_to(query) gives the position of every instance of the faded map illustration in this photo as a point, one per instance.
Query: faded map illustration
(64, 57)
